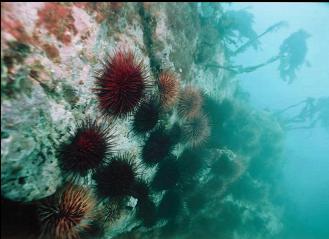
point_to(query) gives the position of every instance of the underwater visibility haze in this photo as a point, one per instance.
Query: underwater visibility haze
(164, 120)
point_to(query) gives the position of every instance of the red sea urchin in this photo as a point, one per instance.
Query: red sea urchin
(168, 87)
(86, 148)
(121, 85)
(66, 214)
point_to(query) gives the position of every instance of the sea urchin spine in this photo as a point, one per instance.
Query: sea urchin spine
(67, 213)
(121, 85)
(86, 148)
(196, 130)
(190, 102)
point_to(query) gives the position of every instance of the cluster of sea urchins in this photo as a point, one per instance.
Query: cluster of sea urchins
(121, 88)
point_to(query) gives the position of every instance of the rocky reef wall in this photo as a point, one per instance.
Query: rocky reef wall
(50, 52)
(49, 55)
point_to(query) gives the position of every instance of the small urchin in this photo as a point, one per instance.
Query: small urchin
(121, 84)
(87, 147)
(195, 131)
(117, 178)
(192, 162)
(168, 87)
(167, 175)
(146, 116)
(158, 145)
(66, 214)
(189, 103)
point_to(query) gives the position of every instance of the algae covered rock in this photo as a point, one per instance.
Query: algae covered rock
(28, 159)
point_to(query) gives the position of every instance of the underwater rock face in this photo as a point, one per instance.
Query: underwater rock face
(29, 167)
(50, 53)
(152, 120)
(47, 73)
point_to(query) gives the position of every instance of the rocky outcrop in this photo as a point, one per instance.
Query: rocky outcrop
(50, 52)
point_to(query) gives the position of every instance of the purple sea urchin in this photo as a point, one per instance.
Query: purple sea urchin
(117, 178)
(146, 116)
(157, 146)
